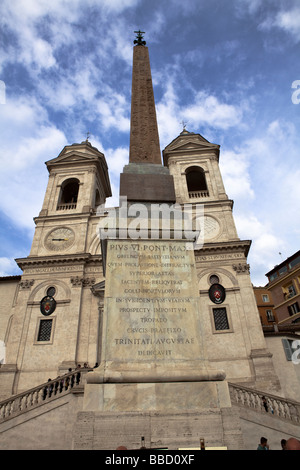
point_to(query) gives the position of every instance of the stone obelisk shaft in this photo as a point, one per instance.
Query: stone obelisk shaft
(144, 138)
(144, 178)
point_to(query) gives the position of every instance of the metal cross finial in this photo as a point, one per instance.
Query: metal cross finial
(87, 136)
(139, 38)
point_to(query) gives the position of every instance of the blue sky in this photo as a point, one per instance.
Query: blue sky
(225, 67)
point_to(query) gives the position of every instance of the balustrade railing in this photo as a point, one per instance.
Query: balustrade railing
(265, 403)
(21, 402)
(63, 207)
(198, 194)
(240, 395)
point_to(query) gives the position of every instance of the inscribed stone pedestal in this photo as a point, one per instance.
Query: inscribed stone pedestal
(152, 324)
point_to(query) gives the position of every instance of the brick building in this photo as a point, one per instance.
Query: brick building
(284, 287)
(265, 305)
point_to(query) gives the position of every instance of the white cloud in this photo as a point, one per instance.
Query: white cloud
(209, 110)
(26, 133)
(42, 29)
(265, 245)
(114, 111)
(269, 168)
(286, 20)
(28, 140)
(204, 109)
(235, 172)
(7, 266)
(289, 21)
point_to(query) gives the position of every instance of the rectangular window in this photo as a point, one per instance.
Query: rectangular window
(220, 319)
(294, 308)
(265, 298)
(282, 270)
(270, 316)
(45, 329)
(294, 262)
(272, 277)
(289, 291)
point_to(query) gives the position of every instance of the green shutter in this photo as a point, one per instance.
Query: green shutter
(287, 349)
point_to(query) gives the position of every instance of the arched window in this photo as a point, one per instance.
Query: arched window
(196, 182)
(68, 194)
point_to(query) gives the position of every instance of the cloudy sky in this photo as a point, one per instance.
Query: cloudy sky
(230, 69)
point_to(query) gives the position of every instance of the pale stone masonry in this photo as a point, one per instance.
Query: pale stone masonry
(163, 352)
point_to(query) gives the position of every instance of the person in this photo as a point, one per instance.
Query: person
(45, 391)
(265, 403)
(283, 444)
(292, 444)
(78, 374)
(263, 444)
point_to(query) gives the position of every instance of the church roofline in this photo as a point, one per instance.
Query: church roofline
(179, 145)
(74, 149)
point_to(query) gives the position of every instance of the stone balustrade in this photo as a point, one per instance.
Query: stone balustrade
(240, 395)
(22, 402)
(265, 403)
(198, 194)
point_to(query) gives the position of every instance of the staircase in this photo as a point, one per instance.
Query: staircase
(56, 401)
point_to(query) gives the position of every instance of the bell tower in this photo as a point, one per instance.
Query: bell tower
(228, 306)
(78, 183)
(194, 164)
(63, 264)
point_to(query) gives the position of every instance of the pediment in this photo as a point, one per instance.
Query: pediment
(77, 153)
(189, 142)
(186, 143)
(190, 145)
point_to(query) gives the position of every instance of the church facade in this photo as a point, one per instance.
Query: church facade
(54, 316)
(65, 263)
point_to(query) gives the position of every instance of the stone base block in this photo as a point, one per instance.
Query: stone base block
(178, 430)
(158, 397)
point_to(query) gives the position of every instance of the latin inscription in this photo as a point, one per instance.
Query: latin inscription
(152, 297)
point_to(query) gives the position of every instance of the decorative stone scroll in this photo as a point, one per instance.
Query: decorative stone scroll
(82, 281)
(241, 268)
(26, 284)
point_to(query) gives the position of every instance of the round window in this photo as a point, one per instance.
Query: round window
(51, 291)
(214, 279)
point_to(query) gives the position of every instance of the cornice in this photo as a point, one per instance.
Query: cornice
(77, 258)
(231, 246)
(64, 217)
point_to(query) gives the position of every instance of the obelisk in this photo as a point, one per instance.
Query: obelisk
(154, 378)
(144, 178)
(151, 281)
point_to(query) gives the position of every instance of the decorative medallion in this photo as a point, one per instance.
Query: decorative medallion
(47, 305)
(217, 293)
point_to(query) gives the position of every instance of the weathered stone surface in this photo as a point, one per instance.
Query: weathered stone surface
(147, 187)
(144, 139)
(151, 327)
